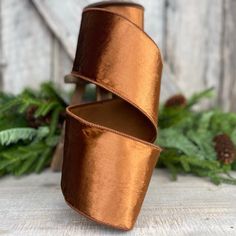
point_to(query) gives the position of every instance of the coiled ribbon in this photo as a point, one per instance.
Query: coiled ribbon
(108, 154)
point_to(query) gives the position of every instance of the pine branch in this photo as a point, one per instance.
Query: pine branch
(24, 149)
(11, 136)
(197, 97)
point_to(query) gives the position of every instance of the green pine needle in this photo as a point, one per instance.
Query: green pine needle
(197, 97)
(11, 136)
(24, 149)
(187, 139)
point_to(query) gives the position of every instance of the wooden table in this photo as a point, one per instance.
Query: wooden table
(34, 205)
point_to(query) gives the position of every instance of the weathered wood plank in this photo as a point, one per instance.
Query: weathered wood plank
(1, 50)
(196, 38)
(154, 19)
(61, 64)
(26, 44)
(34, 205)
(193, 43)
(61, 19)
(227, 92)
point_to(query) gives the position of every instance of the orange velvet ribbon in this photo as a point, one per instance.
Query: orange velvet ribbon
(109, 155)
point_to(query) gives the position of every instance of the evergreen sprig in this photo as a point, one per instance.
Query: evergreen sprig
(186, 135)
(10, 136)
(30, 127)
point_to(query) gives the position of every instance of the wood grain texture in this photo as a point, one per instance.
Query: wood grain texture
(197, 40)
(27, 46)
(59, 23)
(34, 205)
(227, 93)
(1, 50)
(193, 43)
(62, 19)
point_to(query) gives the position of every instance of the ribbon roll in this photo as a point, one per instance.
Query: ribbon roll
(109, 155)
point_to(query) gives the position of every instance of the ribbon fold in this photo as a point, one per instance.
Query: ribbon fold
(109, 155)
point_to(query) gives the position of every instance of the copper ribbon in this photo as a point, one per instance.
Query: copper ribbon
(109, 156)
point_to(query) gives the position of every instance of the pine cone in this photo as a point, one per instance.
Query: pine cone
(36, 122)
(225, 149)
(30, 116)
(177, 100)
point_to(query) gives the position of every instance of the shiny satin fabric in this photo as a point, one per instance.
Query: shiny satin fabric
(108, 153)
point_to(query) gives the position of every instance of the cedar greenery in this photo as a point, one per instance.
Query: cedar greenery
(26, 147)
(10, 136)
(187, 135)
(31, 123)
